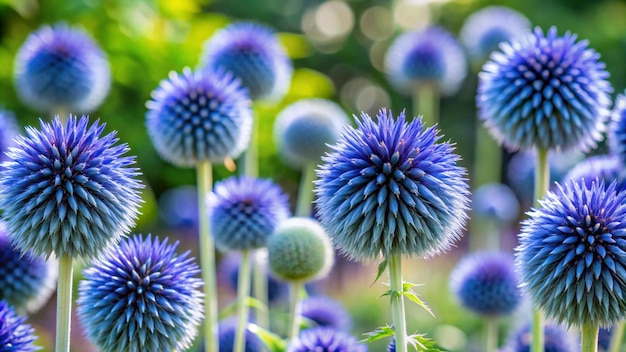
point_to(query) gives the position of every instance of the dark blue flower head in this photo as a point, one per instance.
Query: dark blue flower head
(304, 129)
(486, 283)
(68, 190)
(604, 338)
(15, 336)
(325, 311)
(556, 339)
(141, 296)
(244, 211)
(391, 347)
(197, 116)
(545, 91)
(496, 202)
(8, 131)
(617, 128)
(26, 281)
(388, 187)
(178, 208)
(226, 333)
(61, 68)
(485, 29)
(572, 254)
(253, 54)
(605, 168)
(325, 339)
(432, 56)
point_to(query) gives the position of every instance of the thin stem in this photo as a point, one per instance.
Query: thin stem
(305, 192)
(491, 341)
(251, 155)
(295, 308)
(589, 338)
(260, 289)
(64, 303)
(243, 290)
(207, 258)
(487, 158)
(397, 302)
(426, 103)
(617, 334)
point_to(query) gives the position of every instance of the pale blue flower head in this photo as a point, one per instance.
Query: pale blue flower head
(15, 336)
(8, 131)
(556, 339)
(545, 91)
(496, 202)
(390, 187)
(325, 311)
(607, 168)
(617, 128)
(61, 68)
(141, 296)
(226, 334)
(325, 339)
(199, 116)
(68, 190)
(253, 53)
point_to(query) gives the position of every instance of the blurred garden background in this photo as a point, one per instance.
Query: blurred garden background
(337, 48)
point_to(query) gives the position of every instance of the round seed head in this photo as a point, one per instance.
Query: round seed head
(15, 336)
(325, 311)
(496, 202)
(325, 339)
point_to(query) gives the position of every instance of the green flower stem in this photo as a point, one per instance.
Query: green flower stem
(295, 308)
(397, 302)
(491, 341)
(260, 289)
(305, 192)
(243, 288)
(64, 303)
(542, 182)
(589, 338)
(207, 258)
(616, 337)
(251, 155)
(426, 103)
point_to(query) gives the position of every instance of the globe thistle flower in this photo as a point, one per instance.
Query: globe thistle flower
(485, 29)
(141, 296)
(197, 116)
(26, 281)
(61, 68)
(486, 283)
(304, 129)
(8, 131)
(391, 347)
(325, 339)
(497, 202)
(68, 190)
(253, 54)
(617, 128)
(244, 211)
(556, 339)
(432, 56)
(327, 312)
(227, 329)
(14, 334)
(545, 91)
(604, 339)
(178, 208)
(605, 168)
(570, 255)
(389, 188)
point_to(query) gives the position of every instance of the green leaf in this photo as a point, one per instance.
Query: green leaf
(381, 269)
(408, 293)
(422, 343)
(380, 333)
(272, 341)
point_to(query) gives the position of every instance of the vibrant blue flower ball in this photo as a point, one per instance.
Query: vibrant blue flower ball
(388, 187)
(545, 91)
(556, 339)
(227, 330)
(15, 336)
(244, 211)
(572, 254)
(68, 190)
(485, 29)
(141, 296)
(607, 168)
(304, 129)
(431, 56)
(325, 339)
(253, 54)
(199, 116)
(617, 128)
(496, 202)
(60, 68)
(325, 311)
(486, 283)
(8, 131)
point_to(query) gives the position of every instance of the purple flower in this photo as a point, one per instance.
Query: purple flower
(325, 311)
(227, 329)
(497, 202)
(8, 131)
(607, 168)
(15, 336)
(617, 128)
(178, 208)
(556, 339)
(325, 339)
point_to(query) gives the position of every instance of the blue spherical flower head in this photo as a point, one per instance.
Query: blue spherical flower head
(496, 202)
(486, 283)
(178, 208)
(556, 339)
(571, 254)
(432, 56)
(617, 128)
(226, 334)
(325, 311)
(304, 129)
(325, 339)
(61, 68)
(68, 190)
(388, 187)
(141, 296)
(605, 168)
(485, 29)
(15, 336)
(8, 131)
(253, 54)
(244, 211)
(545, 91)
(196, 116)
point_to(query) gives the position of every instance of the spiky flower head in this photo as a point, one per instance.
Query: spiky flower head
(388, 187)
(227, 329)
(8, 131)
(496, 202)
(68, 190)
(605, 168)
(304, 129)
(556, 339)
(15, 336)
(486, 283)
(427, 57)
(545, 91)
(300, 250)
(244, 211)
(572, 254)
(199, 116)
(26, 281)
(252, 53)
(61, 68)
(485, 29)
(325, 311)
(141, 296)
(325, 339)
(617, 128)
